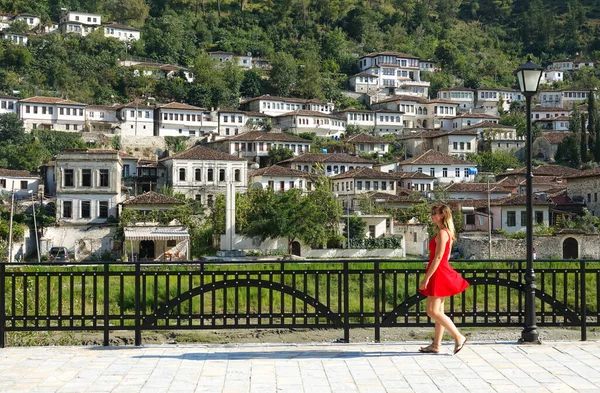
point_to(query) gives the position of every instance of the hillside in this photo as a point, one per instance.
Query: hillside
(311, 44)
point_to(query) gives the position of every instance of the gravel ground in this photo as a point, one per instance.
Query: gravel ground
(288, 336)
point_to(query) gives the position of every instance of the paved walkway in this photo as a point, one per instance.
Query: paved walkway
(318, 368)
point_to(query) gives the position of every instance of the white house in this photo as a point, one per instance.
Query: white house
(301, 121)
(274, 106)
(234, 122)
(136, 118)
(17, 38)
(280, 179)
(32, 21)
(456, 143)
(8, 104)
(548, 112)
(101, 118)
(551, 76)
(148, 241)
(415, 181)
(121, 32)
(381, 121)
(571, 64)
(177, 119)
(241, 61)
(476, 191)
(417, 112)
(574, 96)
(399, 73)
(256, 145)
(52, 113)
(443, 167)
(464, 96)
(510, 213)
(361, 180)
(202, 173)
(428, 65)
(365, 143)
(18, 181)
(88, 185)
(489, 100)
(498, 137)
(364, 83)
(331, 163)
(467, 120)
(81, 23)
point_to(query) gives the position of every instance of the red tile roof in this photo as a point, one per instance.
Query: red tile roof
(365, 173)
(432, 157)
(328, 157)
(276, 170)
(152, 198)
(199, 152)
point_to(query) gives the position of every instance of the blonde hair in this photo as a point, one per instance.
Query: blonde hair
(447, 221)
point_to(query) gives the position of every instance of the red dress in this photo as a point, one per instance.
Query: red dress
(445, 281)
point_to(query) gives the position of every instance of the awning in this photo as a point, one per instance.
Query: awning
(156, 233)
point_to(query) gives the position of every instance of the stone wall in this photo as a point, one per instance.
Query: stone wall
(82, 241)
(339, 253)
(415, 238)
(551, 246)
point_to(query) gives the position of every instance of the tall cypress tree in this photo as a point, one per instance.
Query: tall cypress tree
(584, 146)
(574, 125)
(593, 130)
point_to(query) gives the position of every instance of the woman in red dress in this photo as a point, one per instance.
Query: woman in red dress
(441, 280)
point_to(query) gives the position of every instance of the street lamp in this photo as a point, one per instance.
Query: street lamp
(529, 75)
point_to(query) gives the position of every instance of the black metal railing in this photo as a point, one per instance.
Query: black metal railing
(317, 294)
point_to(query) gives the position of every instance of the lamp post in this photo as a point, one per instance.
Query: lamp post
(529, 75)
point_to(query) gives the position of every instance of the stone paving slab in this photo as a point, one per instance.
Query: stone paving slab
(303, 368)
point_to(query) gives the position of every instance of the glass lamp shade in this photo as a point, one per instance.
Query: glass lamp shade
(529, 75)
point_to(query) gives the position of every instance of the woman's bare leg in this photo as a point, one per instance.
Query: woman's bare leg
(439, 328)
(435, 312)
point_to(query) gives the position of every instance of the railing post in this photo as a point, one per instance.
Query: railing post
(377, 303)
(106, 301)
(346, 303)
(2, 305)
(583, 300)
(138, 325)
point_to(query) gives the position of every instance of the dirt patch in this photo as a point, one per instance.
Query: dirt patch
(287, 336)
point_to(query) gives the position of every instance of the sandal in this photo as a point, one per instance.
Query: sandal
(458, 347)
(429, 349)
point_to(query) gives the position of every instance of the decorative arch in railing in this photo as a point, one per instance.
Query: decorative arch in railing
(400, 310)
(321, 309)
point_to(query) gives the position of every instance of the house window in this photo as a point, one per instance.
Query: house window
(68, 180)
(103, 209)
(271, 184)
(86, 178)
(23, 184)
(457, 172)
(539, 217)
(210, 176)
(470, 219)
(371, 230)
(523, 218)
(432, 172)
(444, 172)
(367, 185)
(103, 177)
(359, 185)
(589, 197)
(209, 200)
(466, 172)
(221, 174)
(86, 209)
(67, 209)
(237, 175)
(455, 145)
(181, 174)
(198, 174)
(199, 197)
(511, 218)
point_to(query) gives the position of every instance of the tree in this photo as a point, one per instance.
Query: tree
(593, 127)
(284, 74)
(311, 218)
(574, 127)
(357, 228)
(494, 162)
(583, 141)
(252, 84)
(278, 154)
(11, 129)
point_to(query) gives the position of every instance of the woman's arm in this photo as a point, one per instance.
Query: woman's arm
(440, 246)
